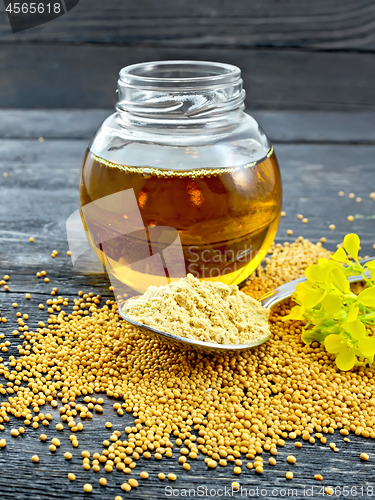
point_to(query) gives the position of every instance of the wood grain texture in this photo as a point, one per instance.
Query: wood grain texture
(294, 55)
(38, 195)
(325, 24)
(85, 76)
(280, 126)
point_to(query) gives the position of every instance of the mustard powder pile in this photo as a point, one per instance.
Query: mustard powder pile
(202, 310)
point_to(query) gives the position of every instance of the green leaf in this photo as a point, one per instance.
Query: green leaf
(353, 313)
(334, 343)
(339, 280)
(351, 245)
(367, 297)
(335, 329)
(309, 336)
(339, 255)
(367, 346)
(356, 329)
(345, 360)
(332, 303)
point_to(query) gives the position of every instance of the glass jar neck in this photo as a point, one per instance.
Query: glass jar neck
(186, 94)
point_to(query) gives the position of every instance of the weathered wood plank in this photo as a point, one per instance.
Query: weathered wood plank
(85, 76)
(280, 126)
(331, 24)
(59, 124)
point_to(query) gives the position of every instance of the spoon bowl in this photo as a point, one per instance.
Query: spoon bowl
(268, 300)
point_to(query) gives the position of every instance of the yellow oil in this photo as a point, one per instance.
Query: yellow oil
(226, 219)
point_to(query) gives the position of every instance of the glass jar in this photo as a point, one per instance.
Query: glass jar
(180, 179)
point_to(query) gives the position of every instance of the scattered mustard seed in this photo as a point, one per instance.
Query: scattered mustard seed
(235, 486)
(350, 218)
(351, 195)
(87, 488)
(71, 477)
(290, 232)
(3, 443)
(289, 475)
(305, 220)
(291, 459)
(332, 227)
(172, 477)
(144, 475)
(341, 193)
(35, 459)
(126, 486)
(364, 456)
(31, 239)
(318, 477)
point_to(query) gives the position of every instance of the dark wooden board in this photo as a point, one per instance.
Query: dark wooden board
(327, 24)
(37, 196)
(85, 75)
(281, 126)
(294, 55)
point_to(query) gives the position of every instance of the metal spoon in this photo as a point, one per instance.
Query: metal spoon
(267, 301)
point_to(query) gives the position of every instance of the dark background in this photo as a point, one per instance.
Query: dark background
(295, 54)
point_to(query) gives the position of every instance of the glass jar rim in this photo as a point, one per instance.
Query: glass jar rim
(152, 74)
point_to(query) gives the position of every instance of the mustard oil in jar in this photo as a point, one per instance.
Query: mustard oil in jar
(226, 218)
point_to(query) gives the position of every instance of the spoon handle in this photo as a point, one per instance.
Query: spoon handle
(284, 291)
